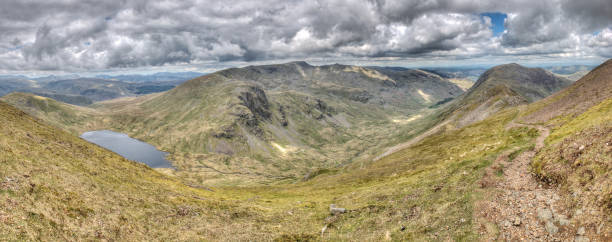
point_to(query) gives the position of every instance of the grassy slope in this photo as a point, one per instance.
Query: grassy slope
(578, 157)
(56, 186)
(69, 117)
(578, 153)
(80, 189)
(427, 189)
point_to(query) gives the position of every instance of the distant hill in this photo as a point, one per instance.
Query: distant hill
(156, 77)
(10, 84)
(531, 83)
(574, 76)
(407, 88)
(66, 98)
(85, 91)
(504, 86)
(466, 73)
(569, 69)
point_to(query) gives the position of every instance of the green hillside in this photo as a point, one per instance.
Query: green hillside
(56, 186)
(578, 155)
(269, 123)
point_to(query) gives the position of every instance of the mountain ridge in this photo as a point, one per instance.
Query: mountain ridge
(503, 86)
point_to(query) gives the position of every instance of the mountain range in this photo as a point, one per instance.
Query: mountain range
(85, 91)
(408, 153)
(265, 116)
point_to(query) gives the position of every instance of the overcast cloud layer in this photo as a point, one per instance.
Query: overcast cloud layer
(81, 35)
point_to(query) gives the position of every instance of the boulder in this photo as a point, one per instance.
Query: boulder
(336, 210)
(544, 214)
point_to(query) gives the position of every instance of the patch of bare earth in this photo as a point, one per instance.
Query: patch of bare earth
(517, 207)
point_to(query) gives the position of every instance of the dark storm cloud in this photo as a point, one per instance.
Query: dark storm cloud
(83, 35)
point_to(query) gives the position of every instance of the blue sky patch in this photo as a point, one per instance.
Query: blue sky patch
(497, 21)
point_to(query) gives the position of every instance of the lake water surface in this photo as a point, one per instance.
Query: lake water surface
(129, 148)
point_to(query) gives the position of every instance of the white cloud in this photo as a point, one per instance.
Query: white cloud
(43, 35)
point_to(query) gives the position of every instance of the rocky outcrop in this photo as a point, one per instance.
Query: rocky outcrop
(362, 96)
(226, 131)
(319, 109)
(283, 118)
(254, 98)
(252, 109)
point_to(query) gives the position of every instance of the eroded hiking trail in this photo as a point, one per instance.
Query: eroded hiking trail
(516, 205)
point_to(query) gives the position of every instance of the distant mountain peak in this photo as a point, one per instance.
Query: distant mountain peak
(531, 83)
(504, 86)
(299, 63)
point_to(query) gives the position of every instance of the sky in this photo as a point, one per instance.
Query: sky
(92, 36)
(497, 22)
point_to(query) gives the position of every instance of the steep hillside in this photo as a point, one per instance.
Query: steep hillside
(565, 172)
(500, 87)
(578, 154)
(503, 86)
(56, 186)
(590, 90)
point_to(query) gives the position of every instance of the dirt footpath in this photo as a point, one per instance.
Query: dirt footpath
(517, 207)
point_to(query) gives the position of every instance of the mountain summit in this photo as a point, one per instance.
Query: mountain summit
(530, 83)
(504, 86)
